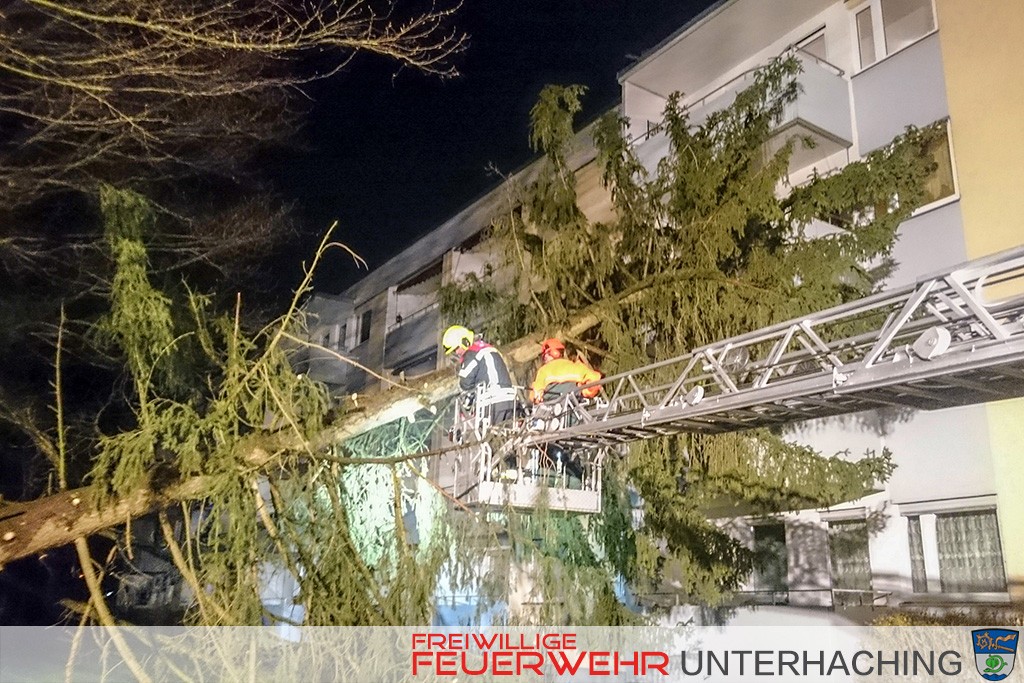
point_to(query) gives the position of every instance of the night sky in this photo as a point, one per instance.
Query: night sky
(392, 155)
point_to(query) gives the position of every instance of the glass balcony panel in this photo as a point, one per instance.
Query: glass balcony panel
(414, 337)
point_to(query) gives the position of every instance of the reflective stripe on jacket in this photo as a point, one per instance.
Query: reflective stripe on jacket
(482, 364)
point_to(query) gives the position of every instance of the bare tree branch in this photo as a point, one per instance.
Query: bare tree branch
(107, 89)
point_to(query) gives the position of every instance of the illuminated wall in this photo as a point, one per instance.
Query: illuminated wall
(985, 85)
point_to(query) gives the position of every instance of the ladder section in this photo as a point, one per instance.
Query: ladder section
(954, 338)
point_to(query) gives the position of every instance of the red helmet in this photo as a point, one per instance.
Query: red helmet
(552, 347)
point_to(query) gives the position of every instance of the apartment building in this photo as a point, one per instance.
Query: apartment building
(948, 526)
(389, 323)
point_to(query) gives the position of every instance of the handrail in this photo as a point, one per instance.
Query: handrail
(691, 106)
(784, 594)
(412, 316)
(824, 62)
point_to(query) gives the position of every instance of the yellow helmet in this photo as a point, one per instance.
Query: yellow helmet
(456, 337)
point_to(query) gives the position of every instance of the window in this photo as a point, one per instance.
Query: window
(364, 325)
(970, 555)
(851, 560)
(918, 574)
(962, 548)
(772, 561)
(866, 37)
(814, 45)
(940, 184)
(901, 23)
(343, 337)
(904, 21)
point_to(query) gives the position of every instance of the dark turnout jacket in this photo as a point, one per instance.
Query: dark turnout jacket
(483, 365)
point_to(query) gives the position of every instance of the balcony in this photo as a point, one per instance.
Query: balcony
(412, 342)
(326, 367)
(342, 376)
(714, 44)
(820, 113)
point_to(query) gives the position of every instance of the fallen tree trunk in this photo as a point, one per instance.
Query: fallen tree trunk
(56, 520)
(29, 527)
(380, 407)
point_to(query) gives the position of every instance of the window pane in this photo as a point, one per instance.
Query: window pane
(918, 576)
(905, 21)
(815, 46)
(851, 561)
(773, 564)
(939, 184)
(866, 37)
(364, 326)
(970, 556)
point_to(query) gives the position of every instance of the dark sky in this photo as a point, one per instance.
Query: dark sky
(392, 156)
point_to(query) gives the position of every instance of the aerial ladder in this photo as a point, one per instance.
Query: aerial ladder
(954, 338)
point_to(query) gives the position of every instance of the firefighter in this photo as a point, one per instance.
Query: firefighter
(559, 375)
(480, 365)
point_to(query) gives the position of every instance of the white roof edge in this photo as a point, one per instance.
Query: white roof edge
(364, 289)
(328, 295)
(674, 38)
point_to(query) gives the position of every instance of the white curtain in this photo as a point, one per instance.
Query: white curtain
(851, 561)
(970, 555)
(918, 575)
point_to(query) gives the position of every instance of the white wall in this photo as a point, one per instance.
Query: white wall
(907, 88)
(929, 242)
(940, 455)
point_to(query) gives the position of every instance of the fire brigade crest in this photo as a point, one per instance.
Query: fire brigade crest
(994, 652)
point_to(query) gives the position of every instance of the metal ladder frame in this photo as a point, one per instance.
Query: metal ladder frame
(942, 342)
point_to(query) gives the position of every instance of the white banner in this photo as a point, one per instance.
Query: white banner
(281, 653)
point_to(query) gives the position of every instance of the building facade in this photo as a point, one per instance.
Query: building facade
(948, 526)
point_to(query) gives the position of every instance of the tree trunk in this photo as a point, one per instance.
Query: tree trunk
(30, 527)
(52, 521)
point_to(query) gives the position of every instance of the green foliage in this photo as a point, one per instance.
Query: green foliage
(613, 534)
(551, 203)
(1010, 615)
(468, 298)
(478, 303)
(140, 320)
(708, 243)
(273, 502)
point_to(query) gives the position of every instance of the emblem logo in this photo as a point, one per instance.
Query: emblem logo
(994, 652)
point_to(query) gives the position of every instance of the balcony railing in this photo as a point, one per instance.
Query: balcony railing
(820, 112)
(830, 598)
(410, 338)
(412, 317)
